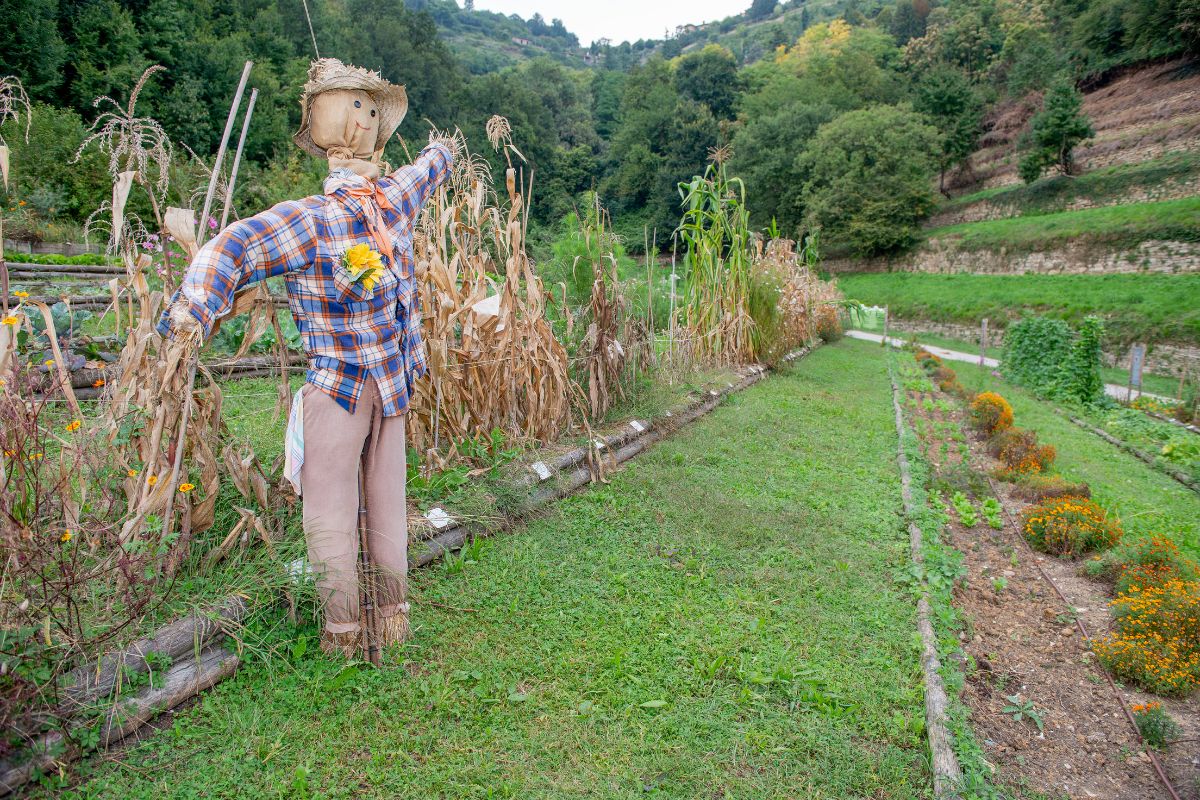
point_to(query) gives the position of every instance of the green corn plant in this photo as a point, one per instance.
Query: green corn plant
(715, 229)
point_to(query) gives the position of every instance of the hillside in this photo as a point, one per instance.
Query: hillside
(1141, 115)
(486, 41)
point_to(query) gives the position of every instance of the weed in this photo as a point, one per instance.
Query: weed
(1023, 711)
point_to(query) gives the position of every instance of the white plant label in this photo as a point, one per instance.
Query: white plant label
(438, 518)
(637, 426)
(541, 470)
(599, 444)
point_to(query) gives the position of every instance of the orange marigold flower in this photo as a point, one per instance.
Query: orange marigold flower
(96, 384)
(186, 487)
(73, 425)
(153, 479)
(66, 537)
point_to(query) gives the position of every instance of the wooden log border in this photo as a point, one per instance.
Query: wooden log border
(1141, 455)
(947, 774)
(195, 642)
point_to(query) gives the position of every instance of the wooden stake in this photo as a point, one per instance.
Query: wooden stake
(212, 181)
(983, 343)
(370, 627)
(237, 160)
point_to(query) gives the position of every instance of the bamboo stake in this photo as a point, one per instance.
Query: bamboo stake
(212, 180)
(237, 159)
(181, 441)
(370, 629)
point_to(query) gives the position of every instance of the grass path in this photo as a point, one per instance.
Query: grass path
(721, 620)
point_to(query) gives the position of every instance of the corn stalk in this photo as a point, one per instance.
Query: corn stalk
(715, 229)
(494, 362)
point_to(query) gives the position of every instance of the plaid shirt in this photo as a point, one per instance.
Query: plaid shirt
(350, 333)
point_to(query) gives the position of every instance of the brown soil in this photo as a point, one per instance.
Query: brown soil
(1139, 116)
(1022, 642)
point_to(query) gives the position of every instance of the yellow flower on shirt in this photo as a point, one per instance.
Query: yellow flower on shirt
(364, 265)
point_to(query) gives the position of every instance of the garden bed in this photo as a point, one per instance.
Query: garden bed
(1039, 702)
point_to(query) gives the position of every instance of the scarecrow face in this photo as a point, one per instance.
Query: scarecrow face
(345, 118)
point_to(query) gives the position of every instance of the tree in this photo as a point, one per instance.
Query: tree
(1054, 132)
(946, 97)
(710, 77)
(30, 46)
(761, 9)
(869, 184)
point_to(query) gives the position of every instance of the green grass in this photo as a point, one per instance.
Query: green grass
(1151, 308)
(720, 620)
(1146, 500)
(1053, 193)
(1113, 226)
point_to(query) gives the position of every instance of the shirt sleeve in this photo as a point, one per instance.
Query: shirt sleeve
(409, 187)
(275, 242)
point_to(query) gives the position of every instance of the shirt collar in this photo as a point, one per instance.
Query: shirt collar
(344, 178)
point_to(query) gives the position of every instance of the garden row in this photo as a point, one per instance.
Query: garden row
(1157, 588)
(1153, 641)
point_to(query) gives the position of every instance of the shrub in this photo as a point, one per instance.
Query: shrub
(942, 375)
(1157, 639)
(1079, 377)
(955, 388)
(1070, 526)
(1146, 562)
(1018, 450)
(829, 327)
(991, 413)
(1034, 350)
(1155, 725)
(1037, 488)
(923, 356)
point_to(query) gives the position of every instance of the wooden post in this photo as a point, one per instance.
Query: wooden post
(983, 344)
(237, 160)
(216, 170)
(1137, 357)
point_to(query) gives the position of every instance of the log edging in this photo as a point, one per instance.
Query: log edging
(947, 773)
(1141, 455)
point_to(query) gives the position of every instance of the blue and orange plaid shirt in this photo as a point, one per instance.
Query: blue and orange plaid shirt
(350, 333)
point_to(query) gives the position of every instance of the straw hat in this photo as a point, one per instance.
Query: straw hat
(326, 74)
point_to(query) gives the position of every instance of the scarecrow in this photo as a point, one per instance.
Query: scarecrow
(347, 258)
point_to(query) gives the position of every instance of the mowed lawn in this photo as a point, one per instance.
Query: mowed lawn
(721, 620)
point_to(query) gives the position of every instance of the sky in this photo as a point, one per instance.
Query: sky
(619, 20)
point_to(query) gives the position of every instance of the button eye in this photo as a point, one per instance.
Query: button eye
(358, 103)
(372, 112)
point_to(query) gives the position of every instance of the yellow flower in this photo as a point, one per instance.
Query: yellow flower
(131, 473)
(49, 362)
(73, 425)
(153, 479)
(186, 487)
(364, 264)
(98, 383)
(66, 537)
(11, 319)
(21, 294)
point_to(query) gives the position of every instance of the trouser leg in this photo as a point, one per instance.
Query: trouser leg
(387, 512)
(333, 445)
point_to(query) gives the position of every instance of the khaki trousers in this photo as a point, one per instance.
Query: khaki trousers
(334, 442)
